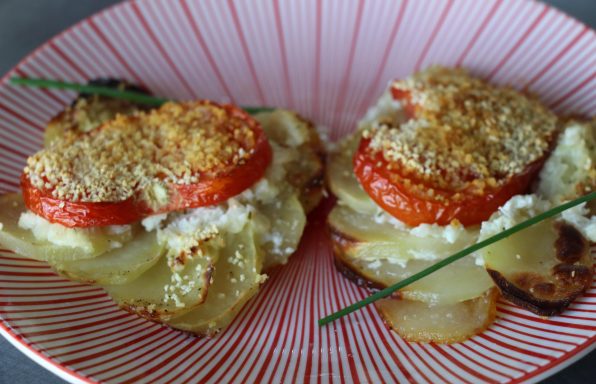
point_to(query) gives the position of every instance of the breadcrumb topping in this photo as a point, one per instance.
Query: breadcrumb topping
(178, 143)
(465, 133)
(87, 113)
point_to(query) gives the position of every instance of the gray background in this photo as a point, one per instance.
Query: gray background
(25, 24)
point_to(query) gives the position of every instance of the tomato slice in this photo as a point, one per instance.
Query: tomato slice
(390, 190)
(217, 189)
(213, 186)
(453, 159)
(79, 214)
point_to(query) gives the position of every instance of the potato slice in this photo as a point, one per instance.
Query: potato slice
(286, 224)
(119, 266)
(23, 242)
(400, 244)
(437, 288)
(161, 293)
(452, 323)
(305, 171)
(543, 269)
(342, 181)
(236, 279)
(378, 255)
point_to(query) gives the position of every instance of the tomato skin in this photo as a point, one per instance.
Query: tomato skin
(80, 214)
(211, 189)
(218, 189)
(395, 198)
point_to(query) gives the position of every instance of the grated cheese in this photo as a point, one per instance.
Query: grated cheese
(153, 222)
(570, 170)
(58, 234)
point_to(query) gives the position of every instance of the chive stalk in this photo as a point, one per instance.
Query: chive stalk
(132, 96)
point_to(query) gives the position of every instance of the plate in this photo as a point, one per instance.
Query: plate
(328, 60)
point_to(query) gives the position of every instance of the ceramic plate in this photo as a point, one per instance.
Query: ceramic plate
(328, 60)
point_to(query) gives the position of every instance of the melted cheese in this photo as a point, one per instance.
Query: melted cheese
(570, 170)
(82, 238)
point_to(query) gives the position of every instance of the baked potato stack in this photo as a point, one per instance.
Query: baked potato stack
(177, 212)
(442, 161)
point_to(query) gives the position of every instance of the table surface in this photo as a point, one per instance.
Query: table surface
(24, 25)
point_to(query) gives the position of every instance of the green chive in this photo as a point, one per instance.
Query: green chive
(135, 97)
(255, 110)
(417, 276)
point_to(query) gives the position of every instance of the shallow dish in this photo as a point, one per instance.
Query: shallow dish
(329, 61)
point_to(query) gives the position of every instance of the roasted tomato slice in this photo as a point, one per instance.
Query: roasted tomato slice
(392, 192)
(219, 187)
(79, 214)
(179, 156)
(465, 148)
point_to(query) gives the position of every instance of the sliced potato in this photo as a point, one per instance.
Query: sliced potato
(452, 323)
(236, 279)
(293, 184)
(161, 294)
(437, 288)
(286, 224)
(25, 243)
(305, 171)
(366, 238)
(286, 128)
(119, 266)
(543, 269)
(342, 181)
(378, 255)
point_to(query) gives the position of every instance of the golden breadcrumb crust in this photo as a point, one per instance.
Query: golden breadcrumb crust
(176, 143)
(465, 133)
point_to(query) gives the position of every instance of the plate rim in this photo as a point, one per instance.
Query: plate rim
(63, 372)
(72, 376)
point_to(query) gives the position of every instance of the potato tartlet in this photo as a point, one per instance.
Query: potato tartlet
(177, 212)
(442, 161)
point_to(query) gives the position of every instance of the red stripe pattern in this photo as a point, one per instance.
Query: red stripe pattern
(329, 61)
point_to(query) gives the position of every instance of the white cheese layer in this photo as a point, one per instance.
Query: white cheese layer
(450, 234)
(570, 170)
(54, 233)
(522, 207)
(58, 234)
(184, 229)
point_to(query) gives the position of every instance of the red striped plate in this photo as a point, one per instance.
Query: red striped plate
(329, 61)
